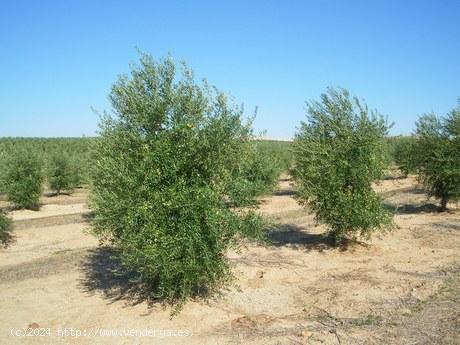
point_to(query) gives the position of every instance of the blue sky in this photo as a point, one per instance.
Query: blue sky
(59, 58)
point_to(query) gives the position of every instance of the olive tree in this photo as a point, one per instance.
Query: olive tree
(160, 175)
(437, 150)
(24, 179)
(404, 155)
(257, 174)
(62, 174)
(5, 228)
(339, 151)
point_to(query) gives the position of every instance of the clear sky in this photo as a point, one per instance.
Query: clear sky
(59, 58)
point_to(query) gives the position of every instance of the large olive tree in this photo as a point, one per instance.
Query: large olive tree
(162, 168)
(339, 151)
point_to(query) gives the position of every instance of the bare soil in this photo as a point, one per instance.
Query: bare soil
(401, 287)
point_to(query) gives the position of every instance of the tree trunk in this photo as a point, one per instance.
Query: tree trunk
(333, 238)
(444, 200)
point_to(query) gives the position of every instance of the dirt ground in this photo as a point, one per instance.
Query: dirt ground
(398, 288)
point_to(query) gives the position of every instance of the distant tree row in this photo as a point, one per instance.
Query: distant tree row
(24, 174)
(433, 154)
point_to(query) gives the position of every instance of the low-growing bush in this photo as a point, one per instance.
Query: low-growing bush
(160, 176)
(62, 174)
(437, 155)
(24, 180)
(338, 153)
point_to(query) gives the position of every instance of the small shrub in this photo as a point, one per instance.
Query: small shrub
(62, 174)
(24, 180)
(161, 171)
(437, 155)
(5, 228)
(338, 153)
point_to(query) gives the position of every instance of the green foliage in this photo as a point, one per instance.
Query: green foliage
(404, 154)
(277, 154)
(437, 155)
(338, 153)
(160, 178)
(281, 151)
(24, 180)
(76, 149)
(5, 228)
(63, 174)
(257, 174)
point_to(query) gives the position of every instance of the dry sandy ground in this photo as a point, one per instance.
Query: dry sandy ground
(399, 288)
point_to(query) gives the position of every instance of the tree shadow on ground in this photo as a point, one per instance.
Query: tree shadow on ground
(412, 209)
(448, 226)
(89, 216)
(394, 177)
(104, 272)
(284, 192)
(56, 194)
(296, 237)
(393, 192)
